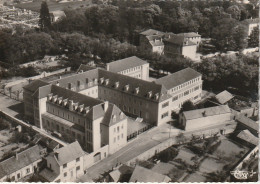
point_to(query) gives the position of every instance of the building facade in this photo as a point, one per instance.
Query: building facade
(65, 164)
(131, 66)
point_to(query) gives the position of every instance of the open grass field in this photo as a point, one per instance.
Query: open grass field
(53, 6)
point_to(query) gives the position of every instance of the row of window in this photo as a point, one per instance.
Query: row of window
(166, 104)
(186, 84)
(71, 173)
(185, 93)
(118, 137)
(131, 70)
(117, 129)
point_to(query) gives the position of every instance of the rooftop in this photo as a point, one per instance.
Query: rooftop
(180, 40)
(178, 78)
(21, 160)
(211, 111)
(189, 35)
(68, 153)
(247, 136)
(142, 174)
(224, 97)
(248, 122)
(34, 85)
(113, 115)
(124, 64)
(151, 32)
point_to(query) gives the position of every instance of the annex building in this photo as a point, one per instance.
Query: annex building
(93, 106)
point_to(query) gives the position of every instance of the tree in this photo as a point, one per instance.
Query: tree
(45, 19)
(187, 106)
(253, 40)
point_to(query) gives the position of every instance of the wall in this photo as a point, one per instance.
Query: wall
(116, 141)
(189, 51)
(88, 159)
(96, 134)
(206, 121)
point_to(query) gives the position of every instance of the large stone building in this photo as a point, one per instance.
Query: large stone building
(90, 106)
(131, 66)
(183, 85)
(201, 118)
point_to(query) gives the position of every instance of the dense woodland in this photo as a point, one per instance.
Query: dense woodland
(111, 32)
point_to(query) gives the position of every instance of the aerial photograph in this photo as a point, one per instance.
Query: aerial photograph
(100, 91)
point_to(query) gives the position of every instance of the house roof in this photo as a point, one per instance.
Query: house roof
(144, 86)
(177, 78)
(115, 175)
(247, 136)
(68, 153)
(22, 160)
(124, 64)
(248, 122)
(142, 174)
(189, 35)
(34, 85)
(58, 13)
(180, 40)
(224, 97)
(48, 175)
(151, 32)
(113, 115)
(211, 111)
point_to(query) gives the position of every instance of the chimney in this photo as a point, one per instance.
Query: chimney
(71, 105)
(105, 106)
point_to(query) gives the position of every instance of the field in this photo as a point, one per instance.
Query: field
(53, 6)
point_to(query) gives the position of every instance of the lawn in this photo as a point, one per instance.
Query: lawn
(53, 6)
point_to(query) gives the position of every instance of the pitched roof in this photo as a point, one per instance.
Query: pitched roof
(210, 111)
(68, 153)
(224, 97)
(115, 175)
(180, 40)
(113, 115)
(248, 122)
(34, 85)
(189, 35)
(177, 78)
(25, 158)
(151, 32)
(144, 86)
(142, 174)
(247, 136)
(48, 174)
(124, 64)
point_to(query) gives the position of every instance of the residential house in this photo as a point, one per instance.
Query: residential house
(64, 164)
(192, 36)
(21, 165)
(142, 174)
(57, 15)
(200, 118)
(131, 66)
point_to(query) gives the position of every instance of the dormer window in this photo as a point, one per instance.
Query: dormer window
(50, 96)
(116, 84)
(54, 98)
(121, 115)
(107, 81)
(150, 93)
(59, 100)
(114, 118)
(87, 109)
(65, 101)
(101, 80)
(126, 87)
(137, 90)
(156, 96)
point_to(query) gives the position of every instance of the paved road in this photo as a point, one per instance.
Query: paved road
(143, 143)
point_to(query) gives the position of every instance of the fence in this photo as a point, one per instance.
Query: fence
(136, 133)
